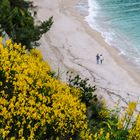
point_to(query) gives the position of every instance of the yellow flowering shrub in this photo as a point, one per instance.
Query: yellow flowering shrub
(134, 132)
(33, 104)
(131, 123)
(126, 120)
(113, 126)
(101, 135)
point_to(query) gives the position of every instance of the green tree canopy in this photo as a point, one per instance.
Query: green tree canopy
(17, 21)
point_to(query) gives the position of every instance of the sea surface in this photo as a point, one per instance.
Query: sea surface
(119, 23)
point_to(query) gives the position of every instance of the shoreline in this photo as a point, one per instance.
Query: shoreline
(71, 45)
(114, 52)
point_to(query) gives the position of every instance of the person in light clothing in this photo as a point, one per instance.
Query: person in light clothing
(101, 58)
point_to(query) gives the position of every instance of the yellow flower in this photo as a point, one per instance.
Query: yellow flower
(107, 136)
(131, 108)
(1, 46)
(13, 138)
(0, 39)
(8, 42)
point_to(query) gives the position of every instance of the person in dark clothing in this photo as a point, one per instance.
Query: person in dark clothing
(97, 58)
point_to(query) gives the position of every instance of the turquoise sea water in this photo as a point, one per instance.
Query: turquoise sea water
(119, 23)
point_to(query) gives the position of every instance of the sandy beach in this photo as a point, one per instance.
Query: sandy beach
(71, 45)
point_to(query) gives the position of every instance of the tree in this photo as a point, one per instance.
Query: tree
(17, 21)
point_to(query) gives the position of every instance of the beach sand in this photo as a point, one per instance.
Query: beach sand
(71, 45)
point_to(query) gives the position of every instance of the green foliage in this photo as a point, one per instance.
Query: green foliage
(106, 124)
(17, 21)
(86, 89)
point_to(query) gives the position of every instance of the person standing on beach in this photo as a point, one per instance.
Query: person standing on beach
(101, 58)
(97, 58)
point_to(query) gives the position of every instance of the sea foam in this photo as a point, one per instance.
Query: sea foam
(118, 22)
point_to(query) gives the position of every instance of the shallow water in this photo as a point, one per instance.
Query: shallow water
(119, 23)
